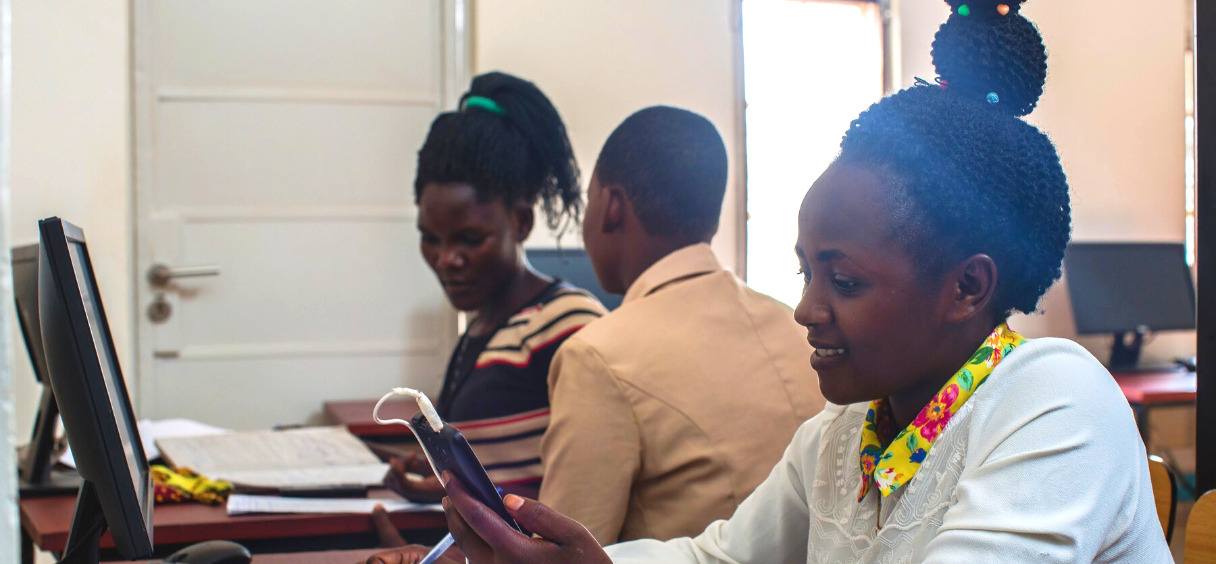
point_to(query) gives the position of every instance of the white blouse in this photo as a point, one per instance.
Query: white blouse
(1042, 464)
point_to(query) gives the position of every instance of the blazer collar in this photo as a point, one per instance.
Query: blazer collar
(688, 262)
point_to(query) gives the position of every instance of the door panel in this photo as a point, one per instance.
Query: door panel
(314, 280)
(277, 140)
(297, 155)
(365, 44)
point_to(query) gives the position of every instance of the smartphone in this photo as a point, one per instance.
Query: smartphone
(448, 451)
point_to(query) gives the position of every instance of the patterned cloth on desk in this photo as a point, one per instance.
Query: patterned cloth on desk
(185, 485)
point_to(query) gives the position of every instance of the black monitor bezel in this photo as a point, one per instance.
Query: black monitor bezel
(1179, 248)
(77, 378)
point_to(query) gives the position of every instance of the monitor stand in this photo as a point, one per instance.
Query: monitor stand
(1125, 355)
(38, 478)
(88, 524)
(56, 482)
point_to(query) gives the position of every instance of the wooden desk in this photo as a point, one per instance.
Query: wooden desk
(322, 557)
(1150, 388)
(45, 522)
(1146, 390)
(356, 416)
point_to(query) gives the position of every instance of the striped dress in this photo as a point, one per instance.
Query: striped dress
(495, 390)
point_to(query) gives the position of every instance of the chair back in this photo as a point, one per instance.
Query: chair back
(1200, 545)
(1165, 494)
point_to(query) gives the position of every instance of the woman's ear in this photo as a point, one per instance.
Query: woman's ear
(973, 283)
(524, 218)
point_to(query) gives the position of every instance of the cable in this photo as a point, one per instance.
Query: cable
(424, 404)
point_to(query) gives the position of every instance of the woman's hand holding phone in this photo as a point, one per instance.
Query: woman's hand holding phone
(411, 554)
(486, 539)
(419, 490)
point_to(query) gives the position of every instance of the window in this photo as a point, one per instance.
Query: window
(1188, 65)
(809, 68)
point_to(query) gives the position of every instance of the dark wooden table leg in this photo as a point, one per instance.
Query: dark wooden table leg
(27, 548)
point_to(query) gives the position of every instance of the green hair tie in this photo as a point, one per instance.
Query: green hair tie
(483, 103)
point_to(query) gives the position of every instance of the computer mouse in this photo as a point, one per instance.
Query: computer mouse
(212, 552)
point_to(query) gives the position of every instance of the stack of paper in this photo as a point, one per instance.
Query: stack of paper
(240, 503)
(150, 431)
(316, 457)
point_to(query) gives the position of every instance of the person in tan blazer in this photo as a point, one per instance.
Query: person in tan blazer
(670, 410)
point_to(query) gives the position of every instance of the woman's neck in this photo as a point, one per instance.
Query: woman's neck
(518, 291)
(908, 403)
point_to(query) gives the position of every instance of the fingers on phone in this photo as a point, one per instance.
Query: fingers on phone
(544, 521)
(466, 539)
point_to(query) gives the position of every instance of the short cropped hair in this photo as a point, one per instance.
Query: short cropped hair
(671, 164)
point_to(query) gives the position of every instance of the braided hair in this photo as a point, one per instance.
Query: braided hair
(968, 175)
(508, 142)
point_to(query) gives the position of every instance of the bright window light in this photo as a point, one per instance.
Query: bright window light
(809, 68)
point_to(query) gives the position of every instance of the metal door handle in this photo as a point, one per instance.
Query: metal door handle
(161, 275)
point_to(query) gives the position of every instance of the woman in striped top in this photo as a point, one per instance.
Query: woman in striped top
(481, 173)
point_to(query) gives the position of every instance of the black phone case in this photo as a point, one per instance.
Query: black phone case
(449, 451)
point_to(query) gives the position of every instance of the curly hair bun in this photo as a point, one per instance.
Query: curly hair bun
(508, 142)
(986, 51)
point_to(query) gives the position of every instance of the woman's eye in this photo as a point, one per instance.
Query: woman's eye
(429, 239)
(844, 284)
(805, 274)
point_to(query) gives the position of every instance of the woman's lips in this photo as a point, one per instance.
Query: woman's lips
(826, 357)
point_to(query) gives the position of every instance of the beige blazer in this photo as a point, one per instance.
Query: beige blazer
(669, 411)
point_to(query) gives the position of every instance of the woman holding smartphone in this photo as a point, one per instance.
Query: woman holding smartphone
(481, 173)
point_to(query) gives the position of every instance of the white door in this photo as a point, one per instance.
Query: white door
(276, 140)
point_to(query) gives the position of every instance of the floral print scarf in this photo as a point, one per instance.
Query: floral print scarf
(894, 466)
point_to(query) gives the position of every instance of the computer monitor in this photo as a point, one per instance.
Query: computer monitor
(101, 427)
(1129, 289)
(35, 468)
(573, 266)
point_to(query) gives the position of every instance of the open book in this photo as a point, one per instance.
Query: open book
(298, 459)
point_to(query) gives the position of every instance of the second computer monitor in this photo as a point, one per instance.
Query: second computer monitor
(573, 266)
(25, 292)
(35, 470)
(1129, 289)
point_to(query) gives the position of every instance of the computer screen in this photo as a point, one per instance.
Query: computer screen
(110, 374)
(573, 266)
(92, 395)
(1126, 287)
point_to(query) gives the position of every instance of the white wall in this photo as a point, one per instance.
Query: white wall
(601, 61)
(71, 151)
(9, 545)
(1113, 104)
